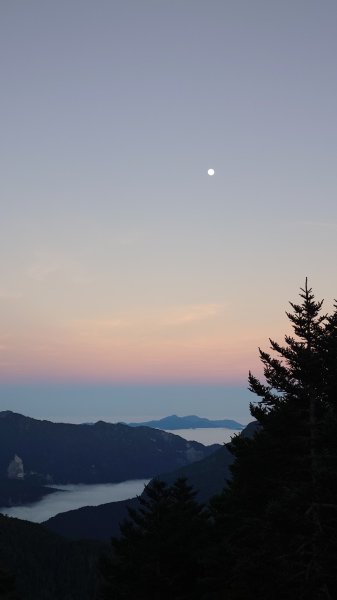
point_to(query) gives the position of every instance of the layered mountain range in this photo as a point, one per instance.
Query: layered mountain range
(208, 476)
(32, 452)
(100, 453)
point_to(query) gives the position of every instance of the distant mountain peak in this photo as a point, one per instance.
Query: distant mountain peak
(6, 413)
(173, 422)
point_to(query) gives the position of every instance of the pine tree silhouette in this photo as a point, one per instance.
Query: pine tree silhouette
(7, 585)
(279, 516)
(159, 555)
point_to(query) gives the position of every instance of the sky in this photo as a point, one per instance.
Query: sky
(132, 283)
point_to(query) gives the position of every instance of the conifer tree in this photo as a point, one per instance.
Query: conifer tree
(159, 554)
(279, 516)
(7, 585)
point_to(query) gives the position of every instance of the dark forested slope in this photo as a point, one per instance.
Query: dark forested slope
(16, 492)
(44, 565)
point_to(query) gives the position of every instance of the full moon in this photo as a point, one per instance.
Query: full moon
(211, 172)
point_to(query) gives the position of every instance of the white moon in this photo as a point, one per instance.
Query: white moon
(211, 172)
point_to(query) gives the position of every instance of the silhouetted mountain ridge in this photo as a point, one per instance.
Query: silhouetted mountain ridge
(99, 453)
(173, 422)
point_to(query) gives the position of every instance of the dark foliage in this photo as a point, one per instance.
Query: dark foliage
(160, 552)
(278, 520)
(7, 585)
(45, 566)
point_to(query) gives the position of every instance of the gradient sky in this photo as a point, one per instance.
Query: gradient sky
(132, 283)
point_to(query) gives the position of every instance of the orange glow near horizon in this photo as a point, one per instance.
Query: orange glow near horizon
(135, 360)
(199, 343)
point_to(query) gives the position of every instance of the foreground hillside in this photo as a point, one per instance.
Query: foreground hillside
(99, 453)
(45, 566)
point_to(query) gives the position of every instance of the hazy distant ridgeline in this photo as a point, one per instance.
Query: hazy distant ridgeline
(189, 422)
(99, 453)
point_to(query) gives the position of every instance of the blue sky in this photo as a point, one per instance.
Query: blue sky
(123, 264)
